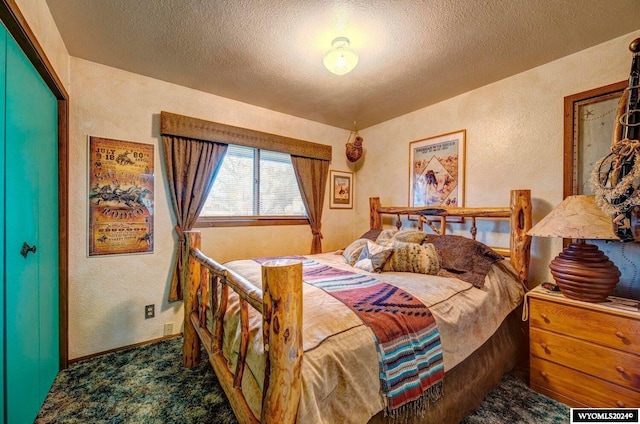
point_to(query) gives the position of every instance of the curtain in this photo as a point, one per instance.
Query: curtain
(312, 177)
(191, 169)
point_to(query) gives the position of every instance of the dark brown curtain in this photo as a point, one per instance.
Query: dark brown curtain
(312, 177)
(191, 169)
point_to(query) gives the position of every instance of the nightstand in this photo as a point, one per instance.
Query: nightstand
(585, 354)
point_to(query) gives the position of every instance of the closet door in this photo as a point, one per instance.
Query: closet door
(31, 238)
(3, 57)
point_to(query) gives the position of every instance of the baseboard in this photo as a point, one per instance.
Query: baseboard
(119, 349)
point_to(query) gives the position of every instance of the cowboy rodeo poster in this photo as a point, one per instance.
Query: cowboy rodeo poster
(120, 197)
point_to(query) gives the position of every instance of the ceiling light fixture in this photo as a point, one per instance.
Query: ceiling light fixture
(341, 59)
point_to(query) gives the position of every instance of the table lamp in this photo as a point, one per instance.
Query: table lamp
(581, 270)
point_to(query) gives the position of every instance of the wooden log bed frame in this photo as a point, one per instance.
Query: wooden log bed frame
(282, 285)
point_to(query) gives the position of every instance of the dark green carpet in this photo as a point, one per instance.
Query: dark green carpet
(148, 385)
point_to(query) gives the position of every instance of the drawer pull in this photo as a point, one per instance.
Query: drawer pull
(544, 317)
(543, 374)
(620, 404)
(619, 369)
(619, 335)
(544, 346)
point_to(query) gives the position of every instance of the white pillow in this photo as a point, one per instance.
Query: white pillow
(352, 252)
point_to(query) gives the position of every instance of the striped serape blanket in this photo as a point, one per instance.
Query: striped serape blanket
(405, 334)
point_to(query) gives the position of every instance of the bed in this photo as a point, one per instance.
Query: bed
(278, 365)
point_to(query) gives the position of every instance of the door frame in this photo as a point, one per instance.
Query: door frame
(17, 26)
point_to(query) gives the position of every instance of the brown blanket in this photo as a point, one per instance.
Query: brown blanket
(463, 258)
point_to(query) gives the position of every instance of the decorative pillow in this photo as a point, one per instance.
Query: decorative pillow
(463, 258)
(352, 252)
(413, 257)
(385, 236)
(409, 236)
(371, 235)
(373, 257)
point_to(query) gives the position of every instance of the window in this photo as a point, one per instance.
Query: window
(254, 187)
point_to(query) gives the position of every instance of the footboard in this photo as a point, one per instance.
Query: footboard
(279, 302)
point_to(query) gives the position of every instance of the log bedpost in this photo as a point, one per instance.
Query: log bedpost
(375, 220)
(191, 341)
(521, 222)
(282, 334)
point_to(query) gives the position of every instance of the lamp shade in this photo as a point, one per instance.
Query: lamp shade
(581, 270)
(577, 217)
(341, 59)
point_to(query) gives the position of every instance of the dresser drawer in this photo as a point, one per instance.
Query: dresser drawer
(599, 361)
(582, 388)
(616, 331)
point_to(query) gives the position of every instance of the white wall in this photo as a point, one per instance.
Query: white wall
(107, 294)
(514, 138)
(39, 19)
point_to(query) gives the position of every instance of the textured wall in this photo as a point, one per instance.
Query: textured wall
(39, 19)
(514, 138)
(107, 294)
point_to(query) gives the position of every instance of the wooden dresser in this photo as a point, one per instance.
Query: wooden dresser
(585, 354)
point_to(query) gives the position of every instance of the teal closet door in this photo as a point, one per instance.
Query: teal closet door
(3, 56)
(31, 216)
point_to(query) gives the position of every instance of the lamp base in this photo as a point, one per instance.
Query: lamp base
(584, 272)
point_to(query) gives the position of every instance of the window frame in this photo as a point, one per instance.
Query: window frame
(249, 221)
(252, 220)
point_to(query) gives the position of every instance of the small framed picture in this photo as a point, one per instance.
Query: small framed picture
(341, 184)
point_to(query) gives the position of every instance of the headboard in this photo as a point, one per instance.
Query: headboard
(518, 213)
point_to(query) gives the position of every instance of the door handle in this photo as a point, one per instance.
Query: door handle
(26, 249)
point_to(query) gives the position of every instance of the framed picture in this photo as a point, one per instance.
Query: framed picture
(588, 125)
(121, 197)
(341, 189)
(436, 170)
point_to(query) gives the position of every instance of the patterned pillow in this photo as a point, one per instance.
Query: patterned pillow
(373, 257)
(409, 236)
(386, 236)
(413, 257)
(352, 252)
(371, 235)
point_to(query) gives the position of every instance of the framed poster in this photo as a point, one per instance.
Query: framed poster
(436, 170)
(341, 190)
(120, 197)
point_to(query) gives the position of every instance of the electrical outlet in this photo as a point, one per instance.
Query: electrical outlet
(149, 311)
(168, 329)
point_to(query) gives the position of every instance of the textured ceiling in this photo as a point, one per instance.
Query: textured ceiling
(269, 53)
